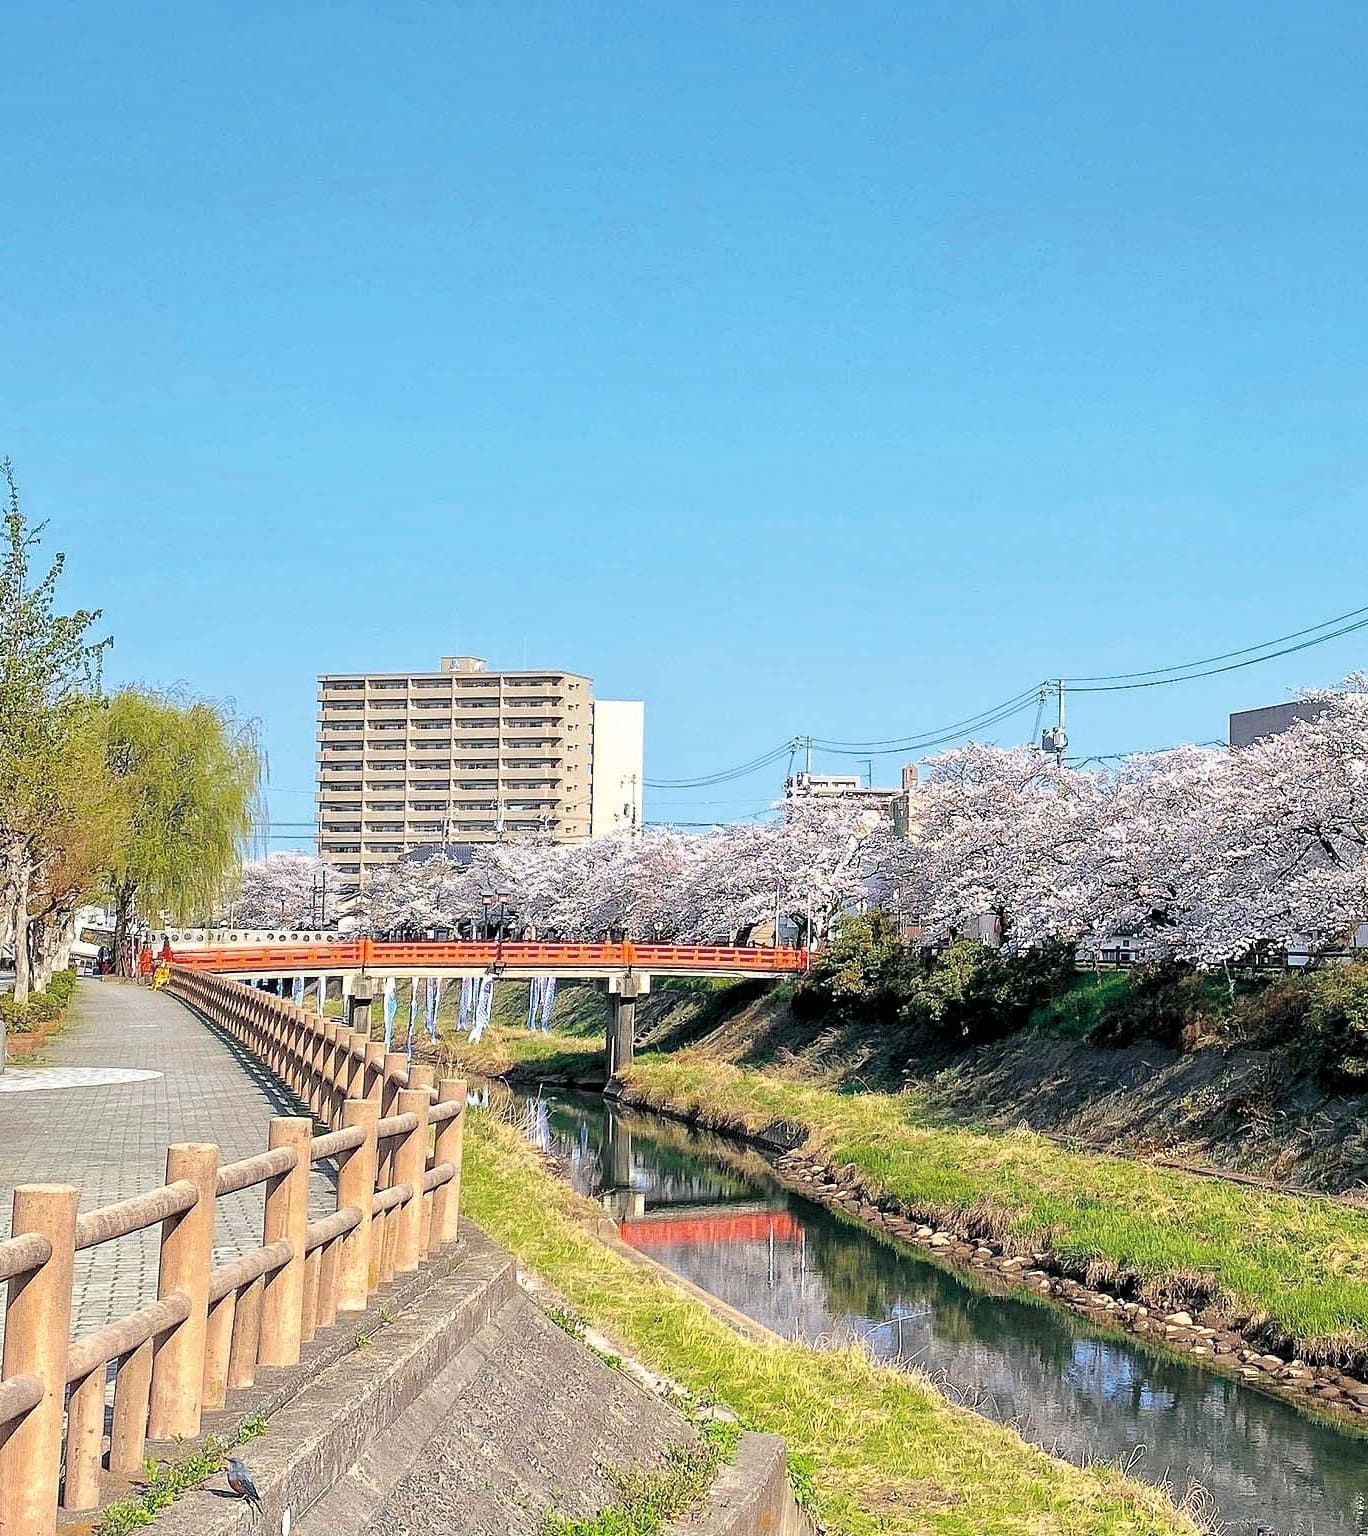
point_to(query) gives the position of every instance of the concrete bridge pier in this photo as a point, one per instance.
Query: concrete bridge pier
(623, 992)
(356, 1002)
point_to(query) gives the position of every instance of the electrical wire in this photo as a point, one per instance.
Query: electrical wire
(1248, 650)
(939, 733)
(724, 775)
(1233, 666)
(981, 723)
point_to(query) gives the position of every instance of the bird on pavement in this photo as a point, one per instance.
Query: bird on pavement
(240, 1481)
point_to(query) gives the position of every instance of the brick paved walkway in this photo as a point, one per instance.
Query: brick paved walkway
(110, 1140)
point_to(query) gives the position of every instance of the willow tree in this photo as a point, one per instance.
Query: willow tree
(83, 832)
(187, 776)
(49, 677)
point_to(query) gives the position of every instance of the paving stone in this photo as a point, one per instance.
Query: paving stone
(110, 1138)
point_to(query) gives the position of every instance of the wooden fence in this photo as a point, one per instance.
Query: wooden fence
(395, 1140)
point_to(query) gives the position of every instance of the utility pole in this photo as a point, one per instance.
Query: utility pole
(809, 756)
(1056, 739)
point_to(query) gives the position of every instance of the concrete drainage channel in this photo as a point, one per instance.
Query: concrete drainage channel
(469, 1412)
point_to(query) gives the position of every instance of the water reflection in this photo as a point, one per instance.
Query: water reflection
(712, 1211)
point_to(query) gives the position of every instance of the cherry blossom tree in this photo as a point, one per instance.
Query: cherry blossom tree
(1209, 857)
(284, 890)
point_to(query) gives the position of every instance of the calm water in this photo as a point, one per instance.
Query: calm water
(711, 1211)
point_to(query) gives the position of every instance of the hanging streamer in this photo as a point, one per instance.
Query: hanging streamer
(433, 1003)
(297, 993)
(413, 1015)
(322, 996)
(533, 1001)
(484, 1008)
(548, 999)
(391, 1008)
(463, 1016)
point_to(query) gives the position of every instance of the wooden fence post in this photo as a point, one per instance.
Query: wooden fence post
(410, 1163)
(37, 1327)
(187, 1256)
(421, 1076)
(446, 1209)
(132, 1393)
(356, 1187)
(287, 1216)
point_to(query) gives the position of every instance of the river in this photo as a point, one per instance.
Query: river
(711, 1210)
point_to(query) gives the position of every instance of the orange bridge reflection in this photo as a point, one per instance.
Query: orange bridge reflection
(732, 1227)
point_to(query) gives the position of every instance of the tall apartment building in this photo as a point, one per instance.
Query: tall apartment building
(466, 755)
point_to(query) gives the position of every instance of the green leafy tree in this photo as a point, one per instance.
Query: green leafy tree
(49, 675)
(186, 776)
(80, 839)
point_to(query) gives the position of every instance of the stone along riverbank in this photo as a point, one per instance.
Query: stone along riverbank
(1242, 1279)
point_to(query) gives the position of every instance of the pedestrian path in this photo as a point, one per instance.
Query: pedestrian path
(80, 1120)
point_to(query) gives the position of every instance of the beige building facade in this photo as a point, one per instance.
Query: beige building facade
(462, 754)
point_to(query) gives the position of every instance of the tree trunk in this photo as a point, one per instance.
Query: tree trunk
(46, 945)
(19, 925)
(125, 961)
(63, 936)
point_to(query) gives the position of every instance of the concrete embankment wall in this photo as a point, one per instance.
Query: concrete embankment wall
(470, 1411)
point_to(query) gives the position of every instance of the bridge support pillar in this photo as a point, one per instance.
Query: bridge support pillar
(621, 1042)
(356, 1003)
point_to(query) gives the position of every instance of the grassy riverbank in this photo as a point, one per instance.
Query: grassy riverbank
(506, 1049)
(883, 1450)
(1295, 1268)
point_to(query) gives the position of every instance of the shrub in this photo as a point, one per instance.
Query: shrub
(1277, 1014)
(971, 993)
(855, 969)
(1334, 1039)
(43, 1007)
(1168, 1003)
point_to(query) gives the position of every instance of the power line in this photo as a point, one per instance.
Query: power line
(1120, 757)
(921, 744)
(939, 733)
(1233, 666)
(725, 775)
(1297, 634)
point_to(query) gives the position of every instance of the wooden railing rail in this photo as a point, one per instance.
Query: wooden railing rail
(395, 1138)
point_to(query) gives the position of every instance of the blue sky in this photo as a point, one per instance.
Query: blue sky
(797, 368)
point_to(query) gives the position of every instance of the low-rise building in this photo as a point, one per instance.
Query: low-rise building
(1250, 725)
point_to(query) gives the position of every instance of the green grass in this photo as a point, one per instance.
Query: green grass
(879, 1450)
(166, 1481)
(504, 1049)
(1072, 1014)
(1292, 1270)
(647, 1500)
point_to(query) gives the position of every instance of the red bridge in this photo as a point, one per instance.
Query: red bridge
(370, 957)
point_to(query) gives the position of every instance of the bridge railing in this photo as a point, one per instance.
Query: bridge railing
(395, 1140)
(372, 955)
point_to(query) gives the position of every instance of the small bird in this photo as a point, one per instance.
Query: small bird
(240, 1481)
